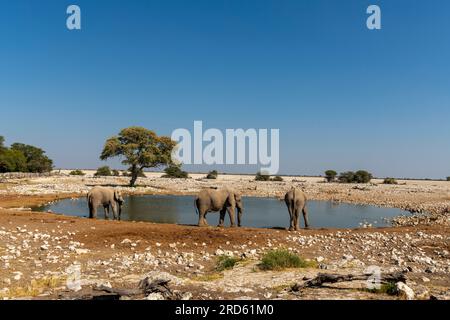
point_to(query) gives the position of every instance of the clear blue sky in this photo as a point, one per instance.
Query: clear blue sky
(343, 97)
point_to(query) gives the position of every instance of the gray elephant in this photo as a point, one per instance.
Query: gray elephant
(107, 197)
(223, 200)
(295, 201)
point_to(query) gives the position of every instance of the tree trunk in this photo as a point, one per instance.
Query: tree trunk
(134, 176)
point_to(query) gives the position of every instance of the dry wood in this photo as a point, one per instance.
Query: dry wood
(322, 278)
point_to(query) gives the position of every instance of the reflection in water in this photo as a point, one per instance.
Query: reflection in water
(259, 212)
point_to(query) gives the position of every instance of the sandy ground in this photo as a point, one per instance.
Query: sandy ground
(50, 256)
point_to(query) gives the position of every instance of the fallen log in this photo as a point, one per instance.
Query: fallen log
(322, 278)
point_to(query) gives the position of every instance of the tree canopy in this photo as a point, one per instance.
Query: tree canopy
(140, 148)
(23, 158)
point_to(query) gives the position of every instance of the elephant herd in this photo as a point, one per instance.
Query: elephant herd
(208, 200)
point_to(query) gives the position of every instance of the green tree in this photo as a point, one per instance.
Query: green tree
(174, 171)
(261, 176)
(362, 176)
(36, 160)
(2, 144)
(347, 177)
(141, 148)
(12, 161)
(212, 174)
(330, 175)
(104, 171)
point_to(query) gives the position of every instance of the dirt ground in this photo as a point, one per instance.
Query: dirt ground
(50, 256)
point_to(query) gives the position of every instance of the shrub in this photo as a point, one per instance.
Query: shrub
(262, 177)
(360, 176)
(363, 176)
(12, 161)
(281, 258)
(389, 288)
(277, 178)
(390, 181)
(174, 171)
(104, 171)
(225, 263)
(330, 175)
(76, 173)
(116, 173)
(347, 177)
(212, 174)
(448, 178)
(36, 159)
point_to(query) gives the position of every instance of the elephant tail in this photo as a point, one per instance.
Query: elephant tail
(293, 199)
(196, 207)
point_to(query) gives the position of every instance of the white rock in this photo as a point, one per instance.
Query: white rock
(155, 296)
(405, 291)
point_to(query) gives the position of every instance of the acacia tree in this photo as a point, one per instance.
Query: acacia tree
(141, 148)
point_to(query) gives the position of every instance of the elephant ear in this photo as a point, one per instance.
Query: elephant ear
(116, 195)
(232, 199)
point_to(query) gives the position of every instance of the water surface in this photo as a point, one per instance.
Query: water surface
(258, 212)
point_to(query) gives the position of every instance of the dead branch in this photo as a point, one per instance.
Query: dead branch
(322, 278)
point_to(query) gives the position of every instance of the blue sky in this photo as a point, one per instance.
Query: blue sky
(343, 97)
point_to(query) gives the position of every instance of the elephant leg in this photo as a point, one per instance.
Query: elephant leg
(201, 218)
(296, 223)
(291, 218)
(239, 218)
(231, 211)
(222, 217)
(114, 210)
(106, 209)
(305, 217)
(92, 211)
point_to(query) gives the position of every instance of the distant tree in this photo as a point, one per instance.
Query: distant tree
(448, 178)
(104, 171)
(12, 161)
(347, 177)
(330, 175)
(2, 144)
(76, 173)
(260, 176)
(141, 148)
(363, 176)
(390, 181)
(212, 174)
(36, 159)
(360, 176)
(174, 171)
(277, 178)
(116, 173)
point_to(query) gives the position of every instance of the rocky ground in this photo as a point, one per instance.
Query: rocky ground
(49, 256)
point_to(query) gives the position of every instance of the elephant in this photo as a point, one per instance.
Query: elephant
(295, 201)
(107, 197)
(223, 200)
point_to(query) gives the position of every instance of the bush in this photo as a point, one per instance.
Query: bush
(76, 173)
(36, 159)
(23, 158)
(262, 177)
(281, 258)
(175, 171)
(360, 176)
(104, 171)
(225, 263)
(347, 177)
(116, 173)
(277, 178)
(330, 175)
(448, 178)
(212, 174)
(390, 181)
(12, 161)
